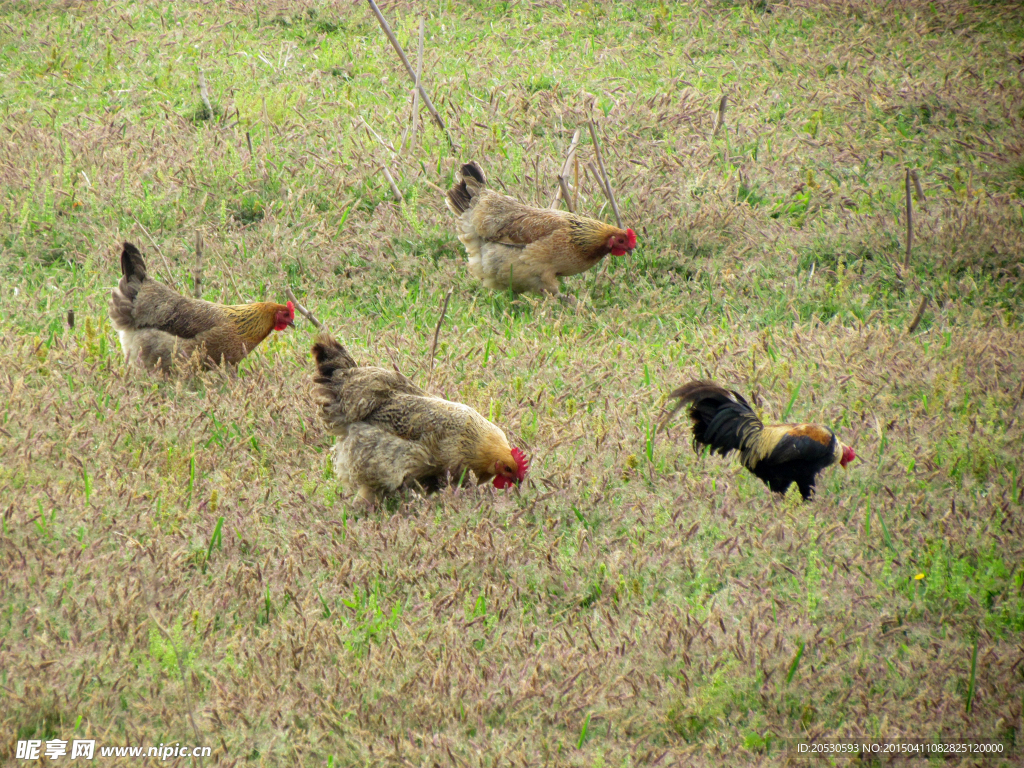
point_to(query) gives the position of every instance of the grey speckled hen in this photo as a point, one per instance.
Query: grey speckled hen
(392, 434)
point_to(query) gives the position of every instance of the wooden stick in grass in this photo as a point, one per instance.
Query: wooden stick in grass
(571, 154)
(391, 180)
(917, 318)
(721, 115)
(910, 224)
(416, 90)
(437, 330)
(563, 194)
(301, 309)
(604, 175)
(197, 272)
(384, 166)
(378, 137)
(408, 68)
(563, 185)
(576, 182)
(597, 176)
(917, 188)
(204, 94)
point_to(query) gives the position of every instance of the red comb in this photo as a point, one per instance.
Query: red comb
(631, 239)
(522, 463)
(291, 310)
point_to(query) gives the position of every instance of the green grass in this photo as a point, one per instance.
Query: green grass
(180, 550)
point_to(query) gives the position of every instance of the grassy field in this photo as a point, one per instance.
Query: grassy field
(177, 563)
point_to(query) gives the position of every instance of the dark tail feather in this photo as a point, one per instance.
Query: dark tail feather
(721, 419)
(472, 170)
(122, 298)
(692, 392)
(460, 196)
(330, 357)
(132, 264)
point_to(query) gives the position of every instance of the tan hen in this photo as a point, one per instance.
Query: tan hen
(517, 246)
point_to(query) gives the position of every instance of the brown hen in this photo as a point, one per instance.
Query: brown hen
(517, 246)
(159, 328)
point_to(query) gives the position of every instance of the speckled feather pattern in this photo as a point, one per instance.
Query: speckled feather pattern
(392, 434)
(517, 245)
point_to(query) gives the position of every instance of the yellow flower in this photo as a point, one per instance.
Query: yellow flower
(919, 577)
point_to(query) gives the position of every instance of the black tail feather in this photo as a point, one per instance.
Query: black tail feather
(722, 419)
(459, 197)
(330, 356)
(122, 298)
(132, 264)
(473, 170)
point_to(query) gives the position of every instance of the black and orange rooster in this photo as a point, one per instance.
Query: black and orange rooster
(779, 454)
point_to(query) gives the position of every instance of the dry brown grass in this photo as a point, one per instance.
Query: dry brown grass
(634, 603)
